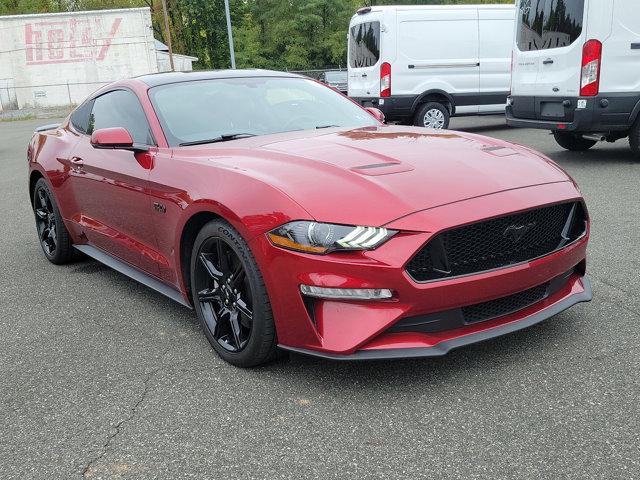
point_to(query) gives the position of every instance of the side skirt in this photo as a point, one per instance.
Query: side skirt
(133, 273)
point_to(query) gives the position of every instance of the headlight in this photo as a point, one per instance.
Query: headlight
(314, 237)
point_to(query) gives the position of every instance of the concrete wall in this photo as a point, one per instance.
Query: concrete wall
(181, 63)
(58, 59)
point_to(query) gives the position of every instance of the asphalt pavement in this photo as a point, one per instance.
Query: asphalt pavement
(102, 377)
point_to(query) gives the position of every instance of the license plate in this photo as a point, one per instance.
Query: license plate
(552, 109)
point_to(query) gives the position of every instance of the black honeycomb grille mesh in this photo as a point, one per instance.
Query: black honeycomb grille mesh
(504, 306)
(497, 243)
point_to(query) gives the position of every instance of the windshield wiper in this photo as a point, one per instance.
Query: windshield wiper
(318, 127)
(222, 138)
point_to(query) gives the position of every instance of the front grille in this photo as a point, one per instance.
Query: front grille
(500, 307)
(498, 242)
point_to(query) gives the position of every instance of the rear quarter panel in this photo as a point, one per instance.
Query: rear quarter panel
(47, 154)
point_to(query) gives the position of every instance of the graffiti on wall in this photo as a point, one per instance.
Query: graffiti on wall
(67, 41)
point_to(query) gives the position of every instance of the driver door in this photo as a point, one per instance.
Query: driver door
(111, 186)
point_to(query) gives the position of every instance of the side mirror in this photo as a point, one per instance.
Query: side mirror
(376, 113)
(116, 138)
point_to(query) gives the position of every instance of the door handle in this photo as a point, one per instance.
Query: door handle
(76, 164)
(548, 61)
(364, 75)
(635, 46)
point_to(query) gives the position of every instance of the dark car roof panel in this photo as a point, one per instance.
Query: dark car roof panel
(156, 79)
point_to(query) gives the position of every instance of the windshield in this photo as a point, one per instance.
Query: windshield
(211, 109)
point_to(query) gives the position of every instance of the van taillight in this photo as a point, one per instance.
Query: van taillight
(591, 64)
(385, 80)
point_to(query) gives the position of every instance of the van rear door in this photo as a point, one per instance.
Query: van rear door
(563, 39)
(364, 55)
(526, 54)
(547, 63)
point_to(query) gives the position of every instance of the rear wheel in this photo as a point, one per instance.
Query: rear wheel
(573, 141)
(52, 233)
(432, 115)
(230, 298)
(634, 139)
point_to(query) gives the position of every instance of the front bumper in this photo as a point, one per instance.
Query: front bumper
(580, 292)
(361, 330)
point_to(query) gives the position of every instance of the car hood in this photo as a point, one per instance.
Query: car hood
(374, 175)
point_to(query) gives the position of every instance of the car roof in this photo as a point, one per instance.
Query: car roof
(155, 79)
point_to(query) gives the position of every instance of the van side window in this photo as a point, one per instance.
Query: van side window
(546, 24)
(121, 108)
(364, 45)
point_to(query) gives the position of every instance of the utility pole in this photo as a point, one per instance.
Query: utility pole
(230, 34)
(168, 34)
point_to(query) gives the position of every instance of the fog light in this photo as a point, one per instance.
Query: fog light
(346, 293)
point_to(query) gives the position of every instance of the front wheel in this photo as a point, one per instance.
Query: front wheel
(230, 298)
(573, 142)
(432, 115)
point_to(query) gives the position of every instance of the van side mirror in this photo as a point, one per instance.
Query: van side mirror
(376, 113)
(116, 138)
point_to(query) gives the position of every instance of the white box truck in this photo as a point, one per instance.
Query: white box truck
(576, 70)
(423, 64)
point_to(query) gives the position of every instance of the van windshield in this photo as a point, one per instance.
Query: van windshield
(364, 44)
(546, 24)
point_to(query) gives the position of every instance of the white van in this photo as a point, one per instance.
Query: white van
(424, 64)
(576, 70)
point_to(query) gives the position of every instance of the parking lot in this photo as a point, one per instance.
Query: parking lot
(102, 377)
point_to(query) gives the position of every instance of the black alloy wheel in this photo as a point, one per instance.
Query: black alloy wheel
(45, 222)
(230, 297)
(52, 233)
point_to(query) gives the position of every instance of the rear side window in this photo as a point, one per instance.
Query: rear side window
(80, 117)
(121, 108)
(364, 45)
(546, 24)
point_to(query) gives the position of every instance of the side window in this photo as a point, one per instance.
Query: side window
(121, 108)
(80, 117)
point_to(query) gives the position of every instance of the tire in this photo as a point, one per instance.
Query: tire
(573, 142)
(223, 297)
(54, 238)
(432, 115)
(634, 139)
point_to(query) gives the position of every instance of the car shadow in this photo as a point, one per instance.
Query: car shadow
(520, 350)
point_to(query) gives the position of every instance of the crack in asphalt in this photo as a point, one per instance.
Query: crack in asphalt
(86, 471)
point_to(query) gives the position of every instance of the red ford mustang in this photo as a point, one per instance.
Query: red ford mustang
(290, 217)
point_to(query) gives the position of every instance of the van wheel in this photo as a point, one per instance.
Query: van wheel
(432, 115)
(634, 139)
(573, 142)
